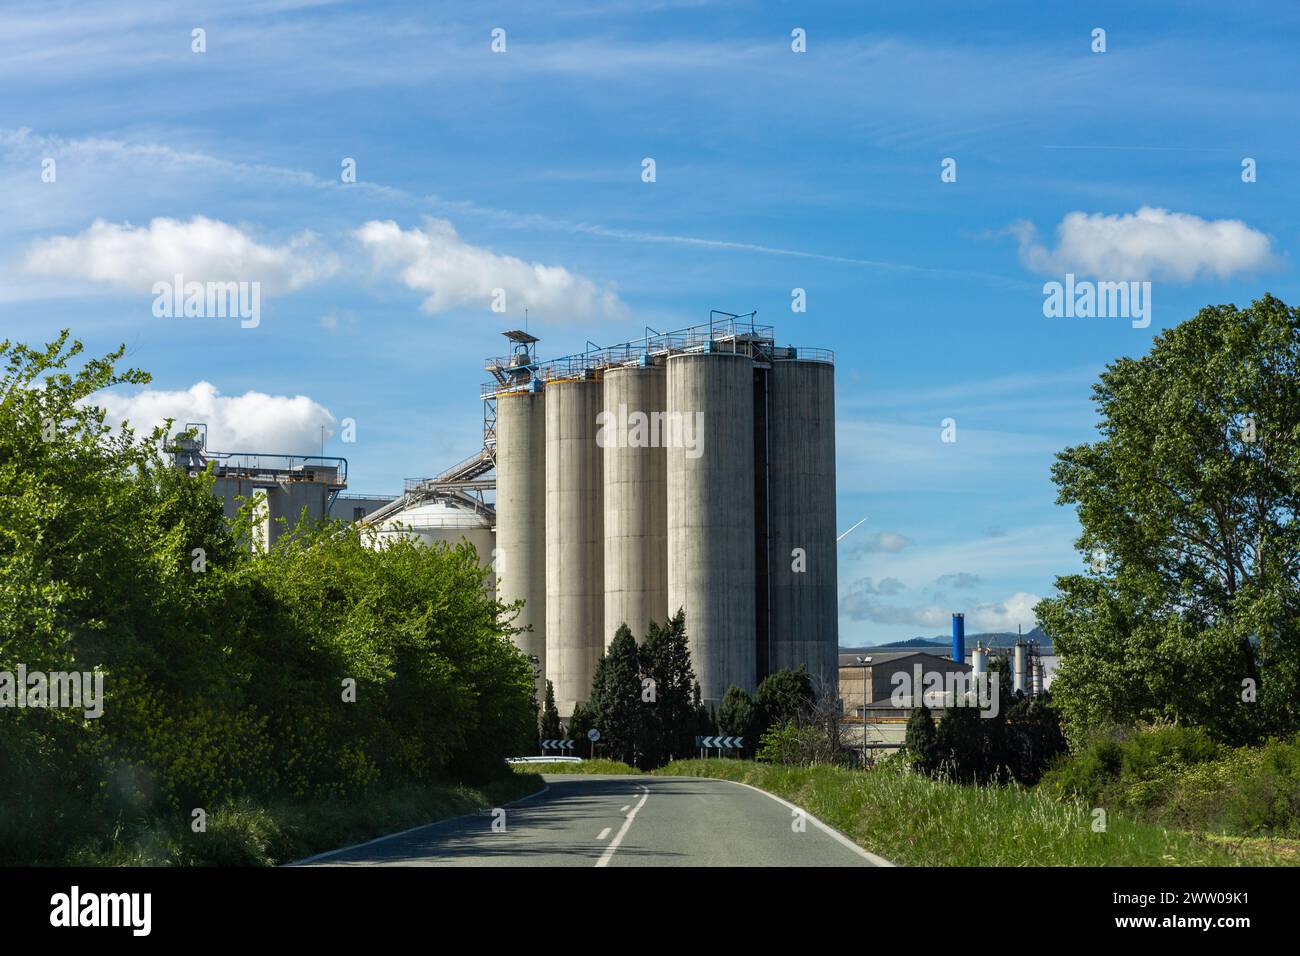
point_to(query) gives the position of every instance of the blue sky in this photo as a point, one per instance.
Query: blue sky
(775, 170)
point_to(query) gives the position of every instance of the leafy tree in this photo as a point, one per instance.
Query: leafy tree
(736, 714)
(549, 728)
(782, 697)
(582, 721)
(669, 713)
(920, 739)
(970, 747)
(1034, 738)
(1188, 504)
(223, 668)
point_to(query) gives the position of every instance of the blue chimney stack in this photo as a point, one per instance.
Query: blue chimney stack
(958, 637)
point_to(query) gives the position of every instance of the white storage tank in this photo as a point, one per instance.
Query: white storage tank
(447, 520)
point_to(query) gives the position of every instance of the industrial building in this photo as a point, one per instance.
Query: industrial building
(879, 688)
(692, 469)
(286, 484)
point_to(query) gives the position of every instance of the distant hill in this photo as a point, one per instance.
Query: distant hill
(941, 643)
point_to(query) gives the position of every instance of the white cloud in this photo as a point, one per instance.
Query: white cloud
(202, 249)
(962, 579)
(1149, 244)
(252, 422)
(1006, 615)
(1014, 611)
(453, 273)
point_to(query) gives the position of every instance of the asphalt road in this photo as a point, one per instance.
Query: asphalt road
(619, 821)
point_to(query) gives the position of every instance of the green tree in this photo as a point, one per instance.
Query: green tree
(1034, 738)
(1188, 504)
(549, 728)
(919, 740)
(782, 697)
(736, 716)
(223, 669)
(669, 714)
(615, 702)
(579, 723)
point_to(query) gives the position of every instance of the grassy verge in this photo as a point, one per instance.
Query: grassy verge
(250, 835)
(587, 766)
(914, 821)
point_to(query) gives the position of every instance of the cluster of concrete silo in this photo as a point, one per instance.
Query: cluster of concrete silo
(712, 490)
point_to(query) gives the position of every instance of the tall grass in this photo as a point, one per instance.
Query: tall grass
(587, 766)
(915, 821)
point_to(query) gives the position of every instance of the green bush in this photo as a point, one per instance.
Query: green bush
(224, 668)
(1178, 777)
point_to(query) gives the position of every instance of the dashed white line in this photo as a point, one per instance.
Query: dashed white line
(623, 809)
(603, 833)
(622, 831)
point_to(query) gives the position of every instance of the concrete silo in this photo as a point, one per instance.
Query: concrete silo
(635, 499)
(575, 584)
(802, 594)
(521, 515)
(711, 520)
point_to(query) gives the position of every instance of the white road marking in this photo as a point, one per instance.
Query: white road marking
(829, 830)
(622, 831)
(623, 809)
(605, 832)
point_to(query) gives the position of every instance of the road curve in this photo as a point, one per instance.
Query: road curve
(585, 820)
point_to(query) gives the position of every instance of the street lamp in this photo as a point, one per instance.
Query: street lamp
(865, 664)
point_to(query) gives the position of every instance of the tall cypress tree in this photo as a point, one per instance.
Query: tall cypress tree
(550, 728)
(670, 716)
(615, 702)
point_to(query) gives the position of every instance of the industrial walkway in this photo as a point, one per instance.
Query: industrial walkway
(620, 821)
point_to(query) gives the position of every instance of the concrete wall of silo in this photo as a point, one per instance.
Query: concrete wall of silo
(575, 583)
(710, 491)
(521, 518)
(635, 464)
(804, 625)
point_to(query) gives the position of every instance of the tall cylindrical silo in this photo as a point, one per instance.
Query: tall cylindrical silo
(803, 594)
(520, 558)
(636, 503)
(575, 584)
(710, 486)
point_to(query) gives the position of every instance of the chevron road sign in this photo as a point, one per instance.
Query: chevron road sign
(557, 744)
(721, 743)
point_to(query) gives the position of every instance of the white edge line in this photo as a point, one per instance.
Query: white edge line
(422, 826)
(826, 828)
(622, 831)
